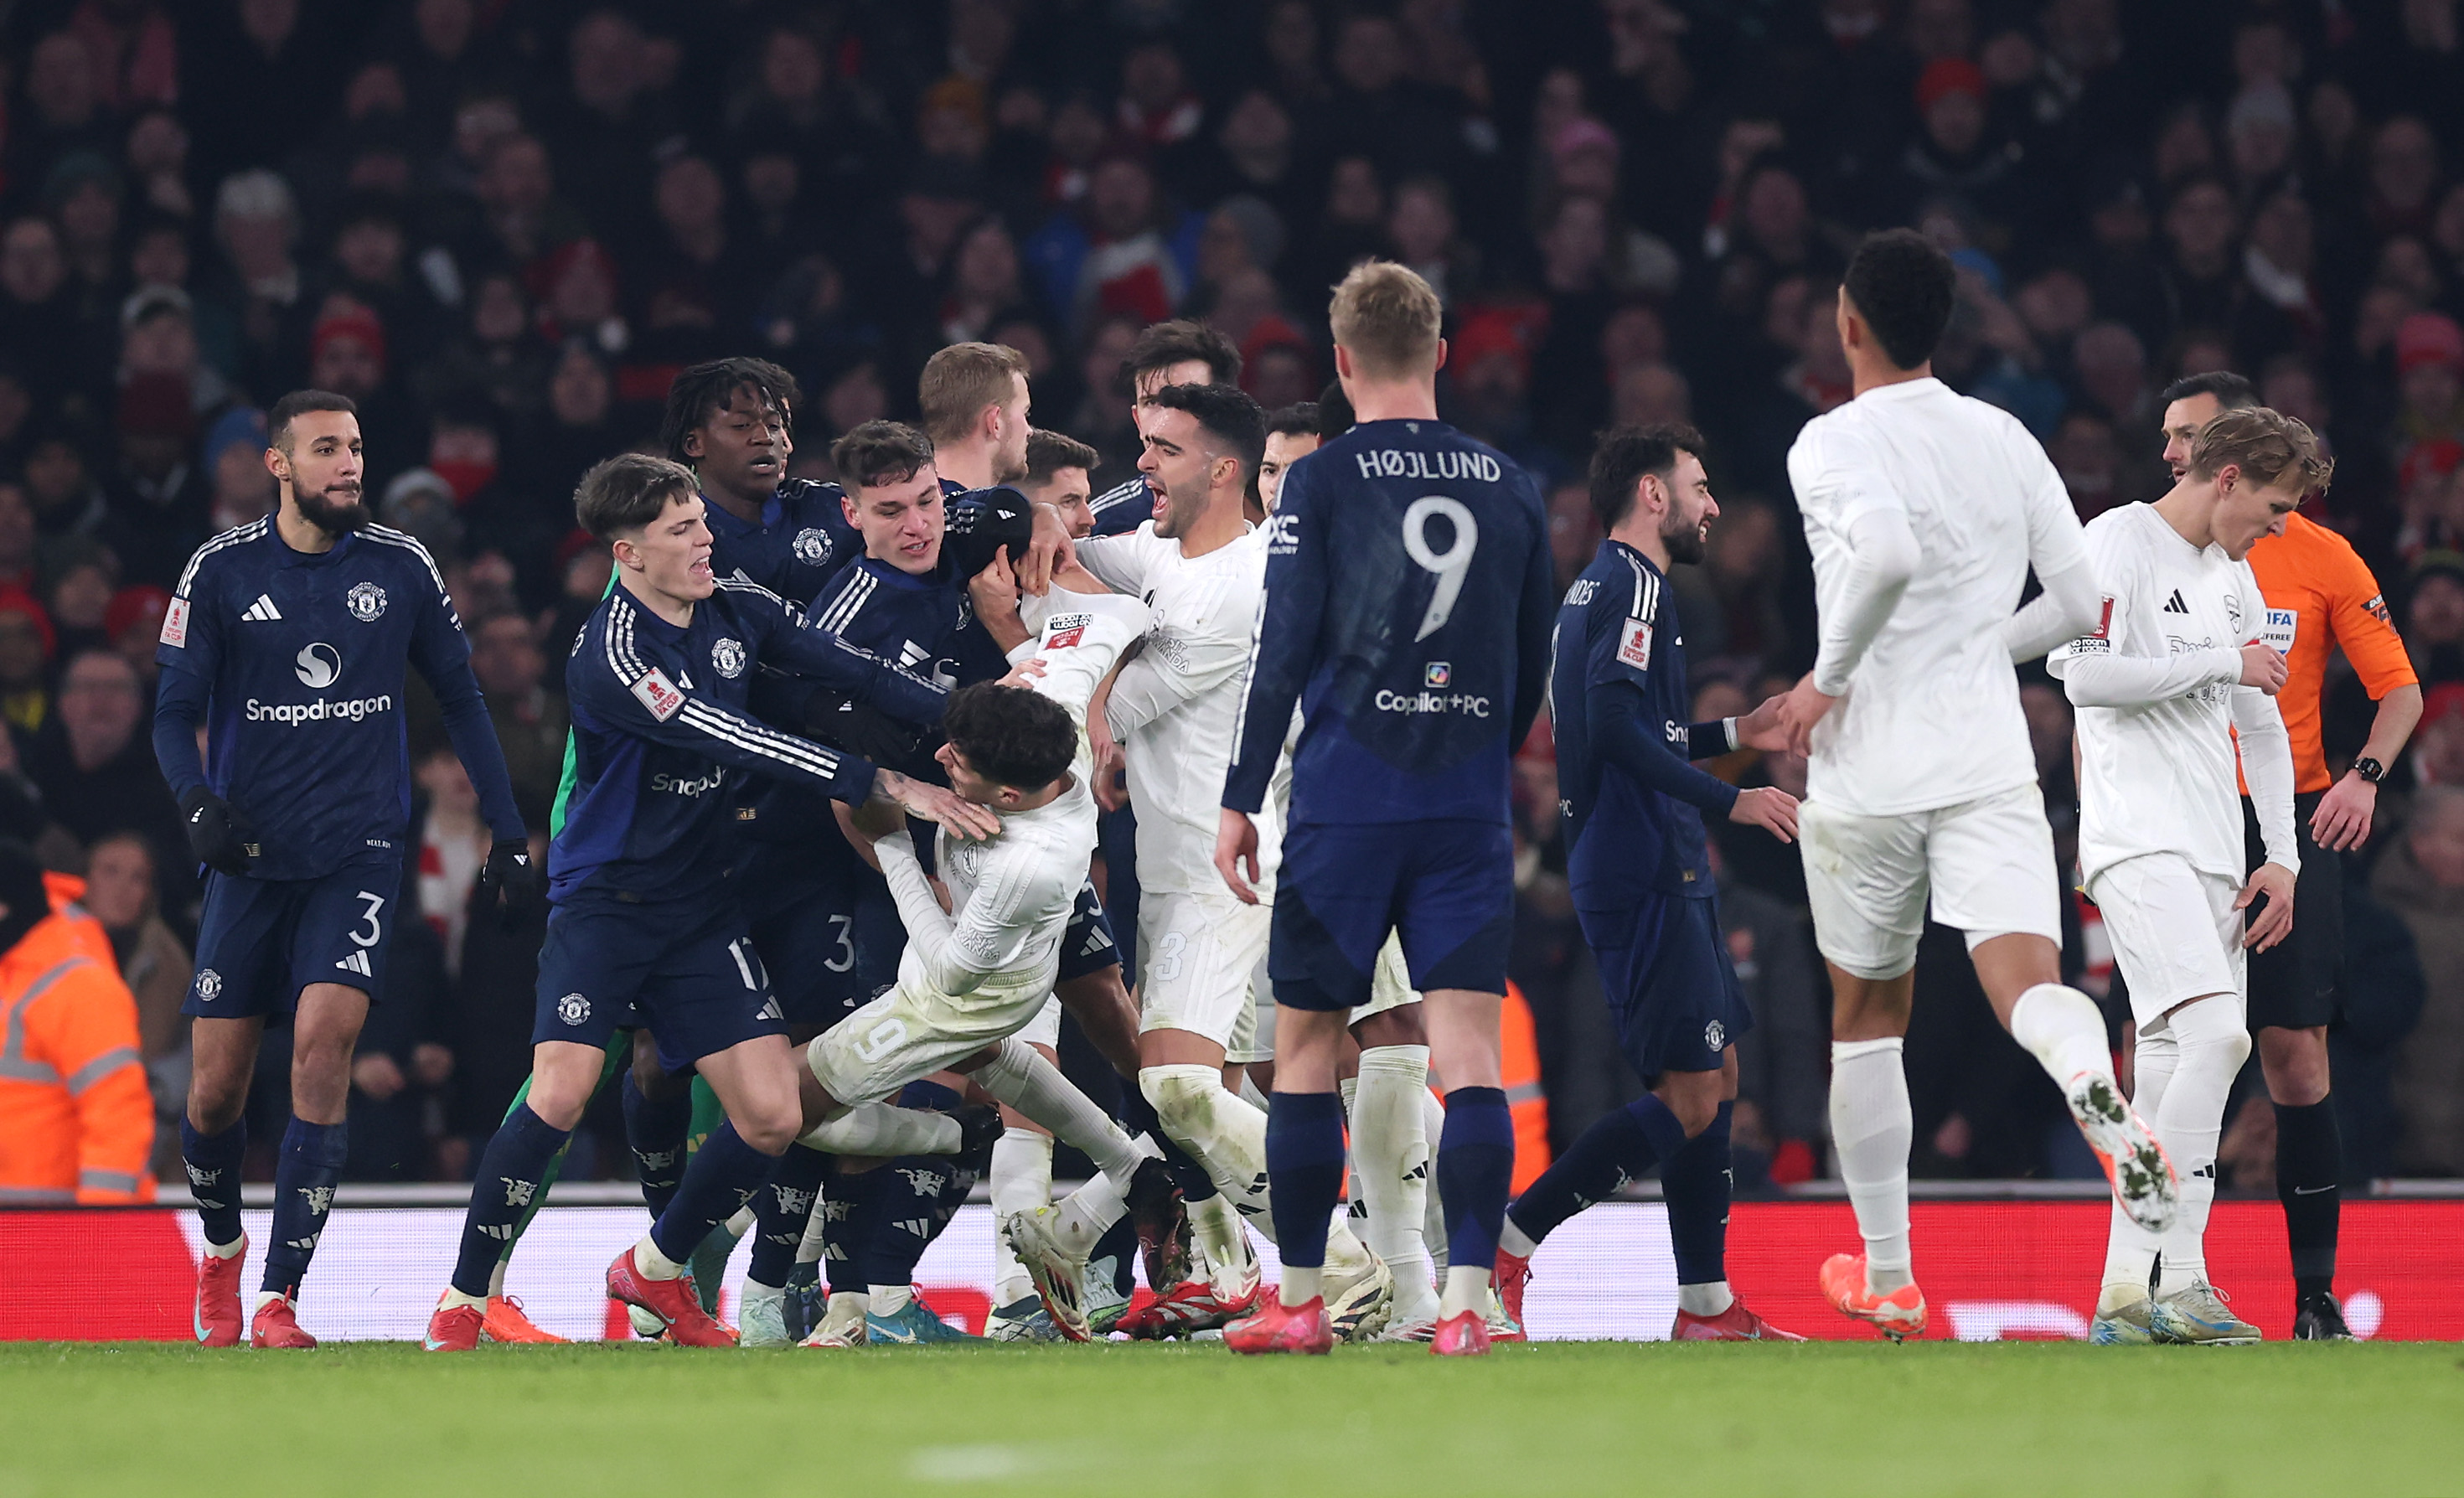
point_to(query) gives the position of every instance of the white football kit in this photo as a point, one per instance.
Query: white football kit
(985, 970)
(1922, 778)
(2158, 691)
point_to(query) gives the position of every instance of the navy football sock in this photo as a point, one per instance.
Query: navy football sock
(1138, 1118)
(845, 1224)
(654, 1130)
(782, 1209)
(913, 1200)
(1696, 1181)
(1119, 1247)
(304, 1180)
(1475, 1173)
(724, 1173)
(1618, 1148)
(213, 1163)
(1303, 1172)
(510, 1172)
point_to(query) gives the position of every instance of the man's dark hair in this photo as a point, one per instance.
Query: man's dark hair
(1011, 735)
(879, 452)
(299, 403)
(1048, 452)
(1226, 413)
(1334, 414)
(702, 392)
(1623, 454)
(1299, 419)
(1164, 345)
(2231, 391)
(1902, 283)
(627, 492)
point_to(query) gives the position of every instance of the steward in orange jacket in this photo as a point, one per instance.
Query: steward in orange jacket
(76, 1122)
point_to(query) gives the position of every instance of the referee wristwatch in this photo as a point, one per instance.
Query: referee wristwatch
(2370, 770)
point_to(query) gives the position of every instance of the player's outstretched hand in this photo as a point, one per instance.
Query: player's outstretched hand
(1235, 845)
(1768, 807)
(512, 869)
(1765, 727)
(2343, 820)
(935, 804)
(1025, 674)
(1799, 711)
(2272, 883)
(217, 834)
(2262, 668)
(1047, 551)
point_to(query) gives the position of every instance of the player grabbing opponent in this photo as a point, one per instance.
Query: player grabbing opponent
(1924, 511)
(1407, 613)
(2320, 600)
(289, 637)
(2174, 674)
(1641, 876)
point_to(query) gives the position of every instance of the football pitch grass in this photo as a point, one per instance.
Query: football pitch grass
(1839, 1419)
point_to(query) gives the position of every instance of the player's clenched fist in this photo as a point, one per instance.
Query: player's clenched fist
(2262, 668)
(1768, 807)
(216, 833)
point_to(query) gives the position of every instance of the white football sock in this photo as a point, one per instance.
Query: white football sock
(882, 1130)
(1036, 1088)
(1871, 1129)
(495, 1276)
(1222, 1133)
(2063, 1029)
(1515, 1241)
(888, 1300)
(814, 1246)
(1089, 1210)
(2130, 1249)
(240, 1245)
(1022, 1182)
(454, 1297)
(1705, 1300)
(754, 1294)
(1390, 1149)
(1466, 1289)
(652, 1265)
(1215, 1223)
(1433, 1219)
(2215, 1044)
(1301, 1286)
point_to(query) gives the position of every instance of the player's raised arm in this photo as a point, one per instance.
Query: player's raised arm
(2057, 551)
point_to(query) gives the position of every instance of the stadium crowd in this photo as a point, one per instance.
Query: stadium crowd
(501, 226)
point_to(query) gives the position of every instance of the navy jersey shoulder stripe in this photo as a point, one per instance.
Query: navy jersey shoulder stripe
(747, 735)
(386, 536)
(1646, 591)
(1118, 495)
(237, 536)
(738, 583)
(843, 610)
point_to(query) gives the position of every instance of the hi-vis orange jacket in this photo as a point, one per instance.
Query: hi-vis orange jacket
(76, 1122)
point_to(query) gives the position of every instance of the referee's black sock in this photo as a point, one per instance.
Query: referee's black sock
(2309, 1169)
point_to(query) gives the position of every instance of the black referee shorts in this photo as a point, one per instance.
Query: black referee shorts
(2292, 986)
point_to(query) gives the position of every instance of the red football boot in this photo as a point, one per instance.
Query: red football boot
(504, 1321)
(1277, 1328)
(277, 1323)
(1191, 1306)
(675, 1302)
(454, 1329)
(1511, 1273)
(1736, 1324)
(218, 1320)
(1463, 1334)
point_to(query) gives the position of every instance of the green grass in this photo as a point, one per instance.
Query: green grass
(1837, 1420)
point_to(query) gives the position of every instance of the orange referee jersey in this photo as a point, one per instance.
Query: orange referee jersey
(2320, 594)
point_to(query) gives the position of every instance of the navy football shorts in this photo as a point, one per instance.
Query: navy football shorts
(831, 939)
(1088, 946)
(1670, 986)
(261, 941)
(1446, 886)
(687, 970)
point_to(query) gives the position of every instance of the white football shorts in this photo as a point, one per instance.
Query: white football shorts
(2175, 933)
(1987, 865)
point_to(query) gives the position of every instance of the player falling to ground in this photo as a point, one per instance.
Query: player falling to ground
(1640, 872)
(1407, 614)
(2173, 674)
(978, 973)
(1174, 707)
(287, 639)
(1924, 511)
(2320, 598)
(648, 927)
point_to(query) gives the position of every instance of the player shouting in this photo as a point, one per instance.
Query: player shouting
(1924, 511)
(286, 638)
(1407, 613)
(2173, 672)
(2321, 598)
(1641, 876)
(647, 928)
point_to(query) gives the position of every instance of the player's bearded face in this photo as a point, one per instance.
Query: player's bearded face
(1691, 509)
(326, 469)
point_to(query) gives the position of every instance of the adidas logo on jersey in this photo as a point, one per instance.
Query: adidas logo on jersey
(2174, 604)
(262, 612)
(1097, 940)
(357, 963)
(772, 1011)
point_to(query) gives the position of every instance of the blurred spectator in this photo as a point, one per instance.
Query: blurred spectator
(120, 894)
(2422, 879)
(94, 764)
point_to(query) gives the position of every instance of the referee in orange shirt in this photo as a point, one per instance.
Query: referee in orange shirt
(2320, 596)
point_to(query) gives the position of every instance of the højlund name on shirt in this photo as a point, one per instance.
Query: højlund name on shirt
(1401, 463)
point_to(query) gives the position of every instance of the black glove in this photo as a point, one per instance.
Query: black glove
(218, 835)
(511, 869)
